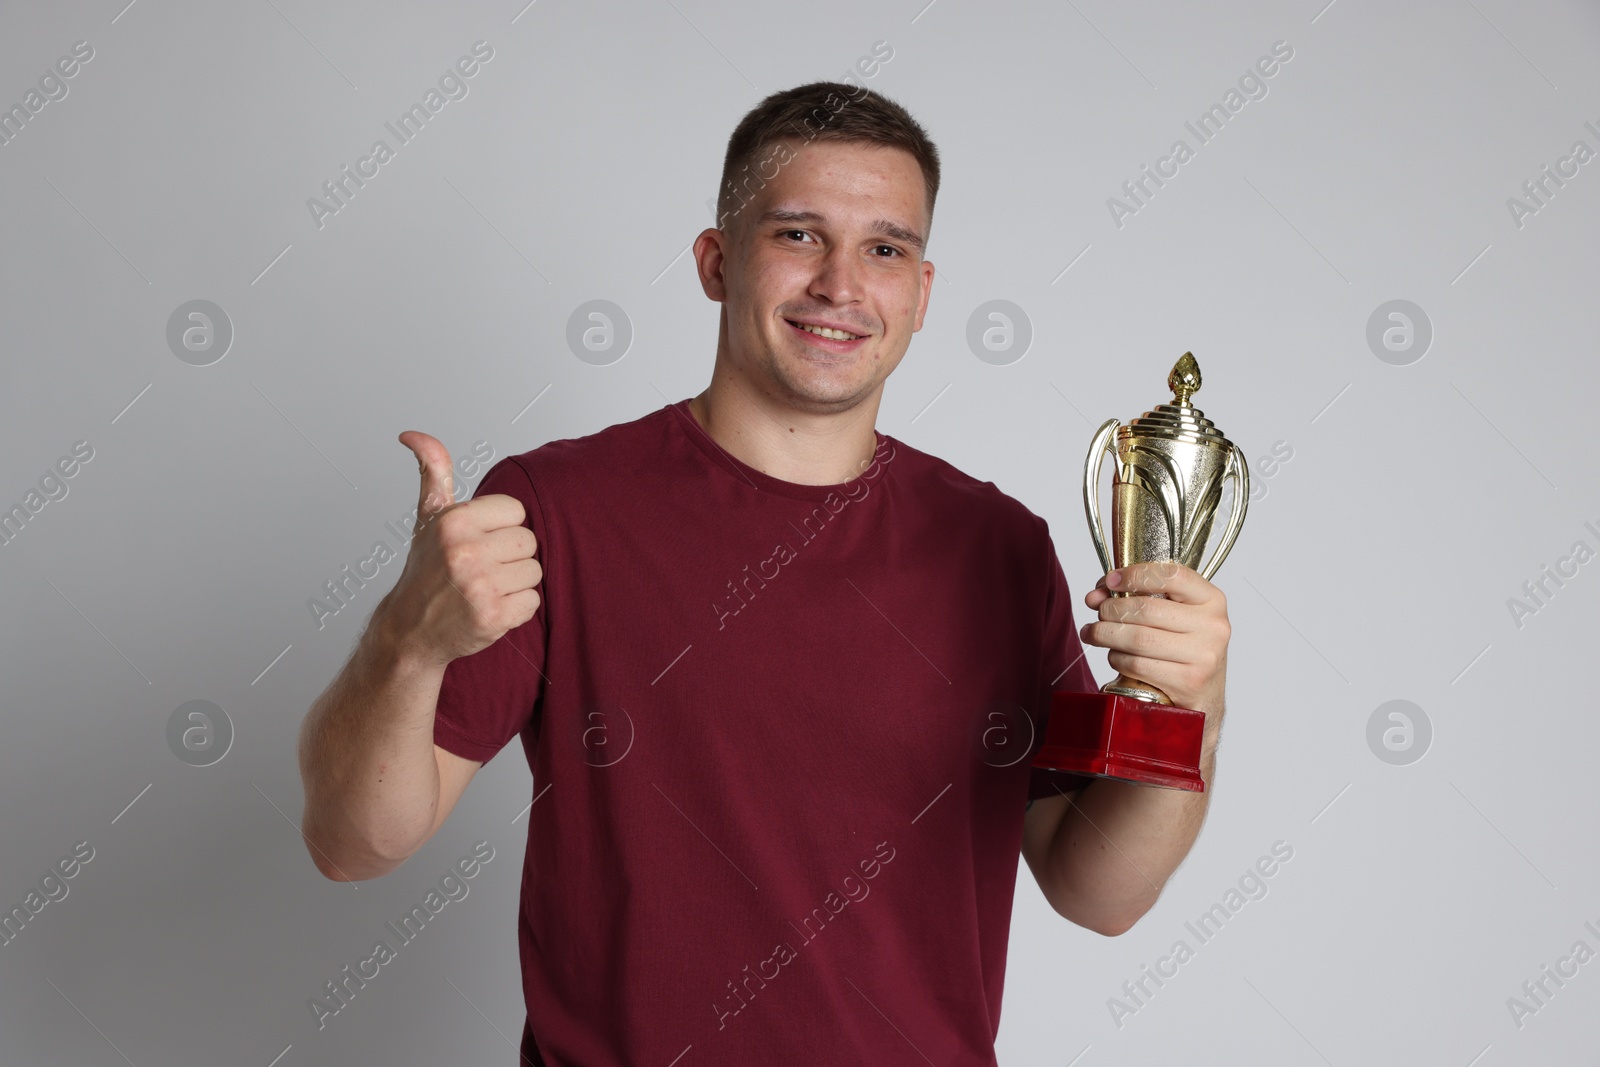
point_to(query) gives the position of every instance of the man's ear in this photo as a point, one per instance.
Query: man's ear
(924, 293)
(710, 254)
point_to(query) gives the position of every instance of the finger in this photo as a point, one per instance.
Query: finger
(437, 491)
(509, 544)
(1172, 580)
(522, 605)
(516, 576)
(495, 511)
(1154, 672)
(1162, 614)
(1137, 640)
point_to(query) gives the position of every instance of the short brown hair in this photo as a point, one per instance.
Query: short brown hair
(819, 111)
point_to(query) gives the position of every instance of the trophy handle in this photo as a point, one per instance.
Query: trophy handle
(1091, 488)
(1239, 473)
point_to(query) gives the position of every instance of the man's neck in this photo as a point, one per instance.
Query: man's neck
(789, 445)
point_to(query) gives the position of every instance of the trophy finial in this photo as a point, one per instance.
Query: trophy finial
(1184, 381)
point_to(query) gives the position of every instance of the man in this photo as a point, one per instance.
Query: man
(780, 686)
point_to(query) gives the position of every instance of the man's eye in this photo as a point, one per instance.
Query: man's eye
(791, 233)
(891, 249)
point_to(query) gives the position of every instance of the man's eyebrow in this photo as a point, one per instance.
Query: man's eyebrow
(882, 227)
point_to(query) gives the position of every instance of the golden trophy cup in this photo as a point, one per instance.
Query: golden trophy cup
(1171, 463)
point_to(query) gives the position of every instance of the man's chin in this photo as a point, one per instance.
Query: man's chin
(823, 397)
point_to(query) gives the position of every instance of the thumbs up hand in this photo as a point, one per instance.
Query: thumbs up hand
(470, 574)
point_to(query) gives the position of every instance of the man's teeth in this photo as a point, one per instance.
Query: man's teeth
(824, 331)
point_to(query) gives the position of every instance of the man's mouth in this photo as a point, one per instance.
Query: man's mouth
(825, 331)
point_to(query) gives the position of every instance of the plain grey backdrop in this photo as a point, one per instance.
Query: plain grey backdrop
(1442, 848)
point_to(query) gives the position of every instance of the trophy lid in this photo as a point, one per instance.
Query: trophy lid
(1179, 420)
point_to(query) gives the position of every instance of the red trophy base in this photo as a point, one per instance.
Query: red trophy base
(1112, 736)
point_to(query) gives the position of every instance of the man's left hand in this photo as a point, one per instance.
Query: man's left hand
(1177, 640)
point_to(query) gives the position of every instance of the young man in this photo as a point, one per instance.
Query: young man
(781, 687)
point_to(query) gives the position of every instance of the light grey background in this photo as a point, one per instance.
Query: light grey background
(1377, 567)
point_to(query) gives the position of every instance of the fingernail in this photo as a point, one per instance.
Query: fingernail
(1114, 579)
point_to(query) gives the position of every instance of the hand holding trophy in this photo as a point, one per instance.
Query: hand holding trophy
(1170, 467)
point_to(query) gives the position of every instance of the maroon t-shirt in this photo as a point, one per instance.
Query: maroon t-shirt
(780, 737)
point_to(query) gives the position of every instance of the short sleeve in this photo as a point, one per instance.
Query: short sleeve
(1066, 670)
(491, 696)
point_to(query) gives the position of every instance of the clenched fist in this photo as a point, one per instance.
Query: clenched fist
(470, 575)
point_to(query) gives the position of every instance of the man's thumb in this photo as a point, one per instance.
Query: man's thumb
(438, 486)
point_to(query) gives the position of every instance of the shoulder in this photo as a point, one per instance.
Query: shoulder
(609, 452)
(959, 495)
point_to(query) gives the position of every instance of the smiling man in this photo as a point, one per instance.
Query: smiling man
(777, 675)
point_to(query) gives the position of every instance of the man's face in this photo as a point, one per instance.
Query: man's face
(834, 241)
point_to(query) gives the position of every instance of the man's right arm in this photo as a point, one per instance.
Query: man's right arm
(376, 786)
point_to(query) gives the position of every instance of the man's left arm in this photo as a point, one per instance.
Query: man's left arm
(1102, 854)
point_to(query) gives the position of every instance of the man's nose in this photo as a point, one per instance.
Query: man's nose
(838, 278)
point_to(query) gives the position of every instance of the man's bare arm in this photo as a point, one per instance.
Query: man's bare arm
(376, 786)
(1103, 853)
(1102, 857)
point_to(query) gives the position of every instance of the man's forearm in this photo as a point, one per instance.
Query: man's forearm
(1118, 843)
(366, 759)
